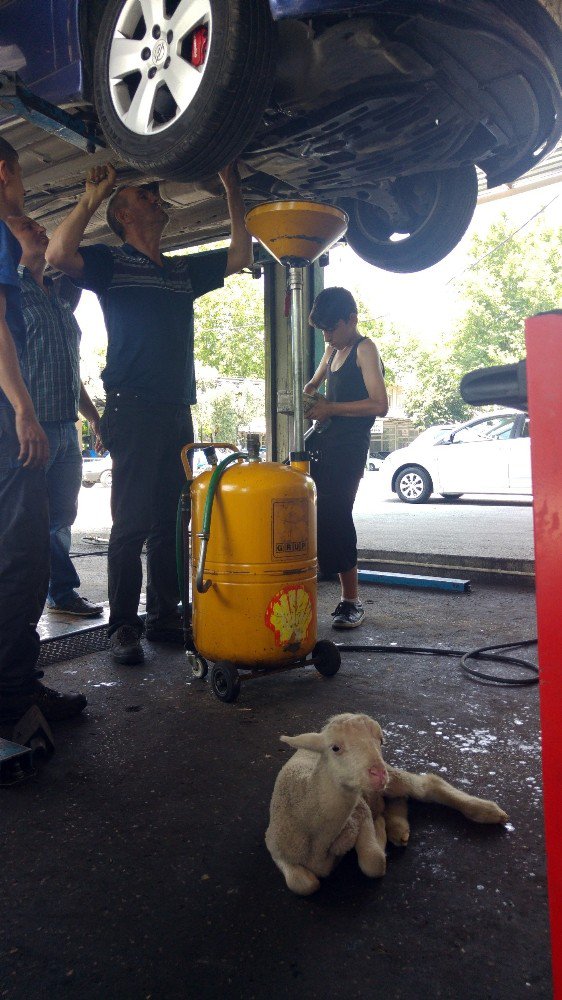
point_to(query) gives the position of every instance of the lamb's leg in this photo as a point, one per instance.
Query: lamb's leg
(298, 878)
(370, 845)
(432, 788)
(396, 821)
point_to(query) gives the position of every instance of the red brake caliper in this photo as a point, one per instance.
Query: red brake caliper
(199, 46)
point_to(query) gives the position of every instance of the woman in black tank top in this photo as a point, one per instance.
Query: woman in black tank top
(355, 395)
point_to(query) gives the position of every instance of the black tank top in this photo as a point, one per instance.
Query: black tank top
(347, 437)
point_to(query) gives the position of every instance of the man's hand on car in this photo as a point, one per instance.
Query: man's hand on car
(100, 182)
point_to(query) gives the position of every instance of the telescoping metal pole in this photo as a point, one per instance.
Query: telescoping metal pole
(296, 285)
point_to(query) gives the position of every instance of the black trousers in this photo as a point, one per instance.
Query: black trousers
(336, 489)
(24, 560)
(145, 442)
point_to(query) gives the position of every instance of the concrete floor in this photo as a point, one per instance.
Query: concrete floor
(134, 865)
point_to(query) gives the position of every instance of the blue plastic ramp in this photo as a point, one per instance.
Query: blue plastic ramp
(411, 580)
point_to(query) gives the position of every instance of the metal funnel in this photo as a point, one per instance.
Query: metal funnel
(296, 233)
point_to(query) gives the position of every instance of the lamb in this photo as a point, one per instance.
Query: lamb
(336, 793)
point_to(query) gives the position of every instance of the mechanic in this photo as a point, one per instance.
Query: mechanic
(24, 515)
(149, 379)
(53, 371)
(355, 395)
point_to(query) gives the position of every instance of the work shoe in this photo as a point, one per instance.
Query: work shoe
(75, 605)
(348, 614)
(166, 630)
(55, 706)
(125, 646)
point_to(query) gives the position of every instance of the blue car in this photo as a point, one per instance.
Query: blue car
(385, 107)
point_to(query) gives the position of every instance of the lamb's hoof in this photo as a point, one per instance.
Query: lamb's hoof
(484, 811)
(398, 832)
(302, 882)
(373, 865)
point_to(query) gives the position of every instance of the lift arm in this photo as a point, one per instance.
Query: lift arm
(15, 97)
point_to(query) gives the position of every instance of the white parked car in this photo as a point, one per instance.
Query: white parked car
(488, 454)
(96, 470)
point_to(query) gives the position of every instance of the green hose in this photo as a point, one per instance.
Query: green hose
(205, 532)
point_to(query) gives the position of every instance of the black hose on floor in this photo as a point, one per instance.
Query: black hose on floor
(481, 653)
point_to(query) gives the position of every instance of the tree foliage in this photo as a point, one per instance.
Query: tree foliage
(511, 277)
(229, 334)
(516, 277)
(226, 409)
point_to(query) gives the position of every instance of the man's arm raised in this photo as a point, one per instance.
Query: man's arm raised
(240, 250)
(63, 252)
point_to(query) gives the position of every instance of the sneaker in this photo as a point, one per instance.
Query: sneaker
(125, 646)
(75, 605)
(348, 614)
(166, 630)
(55, 706)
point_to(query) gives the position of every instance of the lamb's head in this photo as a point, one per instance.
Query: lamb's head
(350, 746)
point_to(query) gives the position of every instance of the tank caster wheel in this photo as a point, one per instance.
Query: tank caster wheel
(225, 681)
(326, 657)
(199, 666)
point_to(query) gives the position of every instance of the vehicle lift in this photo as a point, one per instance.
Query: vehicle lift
(544, 376)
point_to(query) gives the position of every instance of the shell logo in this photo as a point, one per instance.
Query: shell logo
(289, 615)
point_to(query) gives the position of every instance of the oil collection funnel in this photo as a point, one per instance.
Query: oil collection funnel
(296, 233)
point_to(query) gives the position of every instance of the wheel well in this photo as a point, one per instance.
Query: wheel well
(90, 13)
(409, 465)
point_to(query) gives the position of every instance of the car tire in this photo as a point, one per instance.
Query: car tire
(451, 496)
(205, 125)
(106, 478)
(436, 209)
(413, 484)
(87, 484)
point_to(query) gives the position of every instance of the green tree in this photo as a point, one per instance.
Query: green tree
(398, 351)
(226, 409)
(229, 333)
(512, 277)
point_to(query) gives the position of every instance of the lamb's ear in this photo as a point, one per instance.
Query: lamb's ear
(306, 741)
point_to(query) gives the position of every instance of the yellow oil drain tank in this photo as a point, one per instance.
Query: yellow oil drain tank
(260, 566)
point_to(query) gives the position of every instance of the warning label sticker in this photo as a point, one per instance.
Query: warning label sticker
(290, 528)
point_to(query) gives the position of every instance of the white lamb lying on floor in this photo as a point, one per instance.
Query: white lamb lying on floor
(336, 793)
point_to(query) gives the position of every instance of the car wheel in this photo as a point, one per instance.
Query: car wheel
(180, 94)
(105, 478)
(413, 484)
(451, 496)
(87, 484)
(433, 213)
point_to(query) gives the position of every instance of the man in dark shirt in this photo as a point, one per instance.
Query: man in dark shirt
(53, 372)
(24, 524)
(149, 378)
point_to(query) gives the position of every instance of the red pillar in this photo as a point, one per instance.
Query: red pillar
(544, 380)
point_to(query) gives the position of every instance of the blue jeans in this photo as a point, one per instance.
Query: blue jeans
(64, 477)
(24, 560)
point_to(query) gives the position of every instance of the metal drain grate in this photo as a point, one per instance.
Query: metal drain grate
(68, 647)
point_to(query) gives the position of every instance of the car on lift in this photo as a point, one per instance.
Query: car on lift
(489, 454)
(383, 107)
